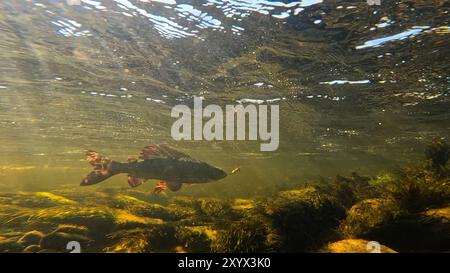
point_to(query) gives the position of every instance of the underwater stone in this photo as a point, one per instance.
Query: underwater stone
(58, 240)
(353, 246)
(245, 236)
(195, 238)
(32, 249)
(304, 218)
(129, 241)
(128, 245)
(124, 218)
(65, 228)
(99, 220)
(122, 201)
(36, 200)
(213, 207)
(367, 215)
(31, 238)
(183, 201)
(10, 245)
(438, 152)
(430, 231)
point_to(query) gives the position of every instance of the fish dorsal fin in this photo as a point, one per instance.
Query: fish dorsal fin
(163, 151)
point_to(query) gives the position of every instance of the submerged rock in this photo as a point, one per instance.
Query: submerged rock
(438, 153)
(32, 249)
(10, 245)
(428, 231)
(129, 241)
(366, 216)
(35, 199)
(195, 238)
(304, 218)
(158, 238)
(31, 238)
(355, 246)
(98, 219)
(213, 207)
(58, 241)
(245, 236)
(75, 229)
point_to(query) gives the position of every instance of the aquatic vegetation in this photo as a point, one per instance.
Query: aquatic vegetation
(417, 188)
(438, 153)
(349, 190)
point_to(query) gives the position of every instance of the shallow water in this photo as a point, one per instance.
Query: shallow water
(361, 88)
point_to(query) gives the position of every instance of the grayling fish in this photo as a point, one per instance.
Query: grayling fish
(156, 161)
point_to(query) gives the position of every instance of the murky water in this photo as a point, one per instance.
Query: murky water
(360, 87)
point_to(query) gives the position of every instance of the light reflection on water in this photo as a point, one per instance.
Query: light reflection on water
(173, 19)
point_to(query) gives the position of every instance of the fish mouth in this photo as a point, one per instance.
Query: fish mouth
(223, 174)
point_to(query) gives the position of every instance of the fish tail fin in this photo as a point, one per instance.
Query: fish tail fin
(102, 168)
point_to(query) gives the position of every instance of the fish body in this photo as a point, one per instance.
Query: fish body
(156, 161)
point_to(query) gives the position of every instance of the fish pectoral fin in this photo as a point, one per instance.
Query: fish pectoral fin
(163, 185)
(174, 186)
(134, 181)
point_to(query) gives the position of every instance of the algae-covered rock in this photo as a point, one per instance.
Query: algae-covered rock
(58, 241)
(129, 241)
(75, 229)
(213, 207)
(351, 189)
(128, 245)
(427, 231)
(443, 213)
(157, 238)
(244, 207)
(195, 238)
(31, 238)
(138, 207)
(162, 238)
(10, 245)
(98, 219)
(184, 201)
(124, 219)
(34, 199)
(367, 215)
(438, 152)
(122, 201)
(304, 218)
(356, 246)
(32, 249)
(245, 236)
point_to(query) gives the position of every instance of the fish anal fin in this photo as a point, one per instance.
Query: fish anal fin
(134, 181)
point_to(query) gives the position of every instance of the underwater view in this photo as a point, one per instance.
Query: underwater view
(224, 126)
